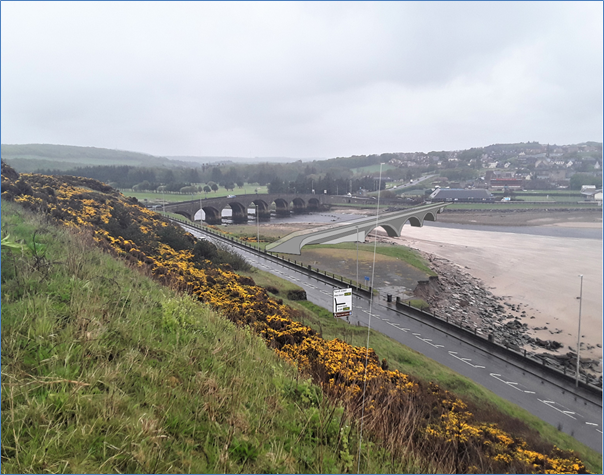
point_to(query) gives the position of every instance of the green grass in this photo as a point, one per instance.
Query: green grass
(372, 169)
(154, 198)
(417, 365)
(519, 205)
(402, 253)
(103, 370)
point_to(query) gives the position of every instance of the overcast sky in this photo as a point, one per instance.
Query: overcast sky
(300, 79)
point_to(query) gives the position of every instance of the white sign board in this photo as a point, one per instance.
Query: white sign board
(342, 302)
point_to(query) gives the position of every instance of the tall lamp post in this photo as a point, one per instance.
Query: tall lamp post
(579, 332)
(357, 257)
(258, 233)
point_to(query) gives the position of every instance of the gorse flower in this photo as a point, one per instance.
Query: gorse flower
(151, 242)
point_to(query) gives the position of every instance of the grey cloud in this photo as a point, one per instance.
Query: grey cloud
(300, 79)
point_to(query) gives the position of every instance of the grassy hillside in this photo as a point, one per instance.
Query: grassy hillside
(104, 370)
(30, 157)
(409, 424)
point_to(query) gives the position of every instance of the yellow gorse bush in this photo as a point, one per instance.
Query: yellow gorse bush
(134, 233)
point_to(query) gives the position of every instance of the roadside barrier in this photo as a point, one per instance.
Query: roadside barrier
(538, 366)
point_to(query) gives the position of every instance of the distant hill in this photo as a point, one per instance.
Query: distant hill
(229, 160)
(32, 157)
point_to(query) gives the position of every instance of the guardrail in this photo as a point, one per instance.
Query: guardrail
(458, 330)
(533, 364)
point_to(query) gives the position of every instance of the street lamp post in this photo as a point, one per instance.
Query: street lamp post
(258, 233)
(357, 257)
(579, 332)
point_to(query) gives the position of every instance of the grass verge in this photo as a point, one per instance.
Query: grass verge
(104, 370)
(485, 403)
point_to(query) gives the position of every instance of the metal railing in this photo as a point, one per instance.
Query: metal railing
(567, 374)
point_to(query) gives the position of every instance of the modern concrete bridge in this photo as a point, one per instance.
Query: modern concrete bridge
(284, 204)
(356, 230)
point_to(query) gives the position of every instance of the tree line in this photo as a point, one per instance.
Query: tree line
(335, 176)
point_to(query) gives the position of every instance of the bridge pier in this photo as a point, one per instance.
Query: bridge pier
(299, 206)
(213, 216)
(282, 207)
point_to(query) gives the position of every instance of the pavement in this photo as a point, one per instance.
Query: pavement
(552, 402)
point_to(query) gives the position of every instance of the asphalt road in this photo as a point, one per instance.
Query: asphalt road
(556, 405)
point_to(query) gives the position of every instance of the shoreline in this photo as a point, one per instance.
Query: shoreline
(527, 278)
(537, 274)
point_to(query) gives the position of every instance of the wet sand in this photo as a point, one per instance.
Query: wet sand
(539, 271)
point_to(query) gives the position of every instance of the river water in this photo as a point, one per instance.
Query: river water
(329, 217)
(538, 266)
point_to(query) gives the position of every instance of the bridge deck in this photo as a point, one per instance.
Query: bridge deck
(356, 230)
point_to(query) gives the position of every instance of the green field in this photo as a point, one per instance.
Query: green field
(372, 169)
(521, 205)
(156, 197)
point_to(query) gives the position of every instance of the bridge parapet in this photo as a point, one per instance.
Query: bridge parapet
(284, 203)
(356, 230)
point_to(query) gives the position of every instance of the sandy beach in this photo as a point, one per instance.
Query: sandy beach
(540, 272)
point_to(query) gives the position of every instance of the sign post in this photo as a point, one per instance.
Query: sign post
(342, 302)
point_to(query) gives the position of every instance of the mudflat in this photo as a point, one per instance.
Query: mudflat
(541, 272)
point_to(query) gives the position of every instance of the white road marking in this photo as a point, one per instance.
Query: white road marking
(429, 341)
(416, 334)
(566, 413)
(395, 325)
(591, 424)
(511, 384)
(465, 360)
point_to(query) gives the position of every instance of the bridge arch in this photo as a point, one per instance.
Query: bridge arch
(183, 213)
(314, 204)
(299, 205)
(429, 217)
(213, 215)
(282, 207)
(390, 230)
(238, 212)
(264, 211)
(414, 221)
(392, 223)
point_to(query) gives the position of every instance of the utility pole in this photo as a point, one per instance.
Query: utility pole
(357, 257)
(579, 333)
(258, 232)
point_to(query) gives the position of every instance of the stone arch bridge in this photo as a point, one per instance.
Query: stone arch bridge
(284, 205)
(357, 229)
